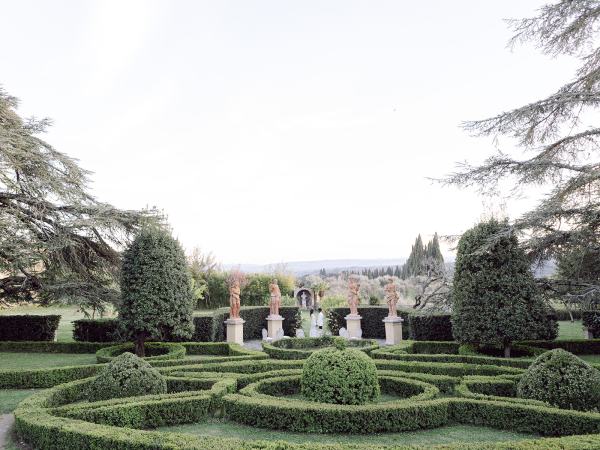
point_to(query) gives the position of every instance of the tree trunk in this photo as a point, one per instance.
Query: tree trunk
(140, 349)
(507, 351)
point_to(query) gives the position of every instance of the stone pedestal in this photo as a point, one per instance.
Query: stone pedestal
(235, 331)
(353, 326)
(274, 324)
(393, 330)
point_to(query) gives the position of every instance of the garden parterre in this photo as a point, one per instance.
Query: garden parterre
(429, 390)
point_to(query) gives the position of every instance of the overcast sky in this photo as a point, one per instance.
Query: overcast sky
(274, 131)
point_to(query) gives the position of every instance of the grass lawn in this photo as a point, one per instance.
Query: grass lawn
(13, 361)
(9, 398)
(454, 433)
(569, 330)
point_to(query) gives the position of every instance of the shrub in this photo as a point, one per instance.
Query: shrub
(561, 379)
(302, 348)
(591, 320)
(28, 327)
(371, 324)
(373, 300)
(96, 330)
(126, 376)
(495, 301)
(436, 327)
(156, 290)
(342, 376)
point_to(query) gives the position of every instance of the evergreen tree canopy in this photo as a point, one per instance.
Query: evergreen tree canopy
(55, 238)
(495, 300)
(558, 137)
(156, 292)
(422, 258)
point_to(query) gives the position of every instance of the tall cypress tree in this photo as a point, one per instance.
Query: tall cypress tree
(495, 301)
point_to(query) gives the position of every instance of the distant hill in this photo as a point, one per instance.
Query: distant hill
(300, 268)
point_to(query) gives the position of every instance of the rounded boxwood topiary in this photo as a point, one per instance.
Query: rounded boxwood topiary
(127, 376)
(340, 375)
(561, 379)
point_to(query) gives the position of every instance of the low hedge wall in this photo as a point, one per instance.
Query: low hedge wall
(96, 330)
(157, 351)
(302, 348)
(576, 346)
(52, 347)
(430, 327)
(45, 378)
(300, 416)
(28, 327)
(488, 360)
(372, 321)
(207, 327)
(450, 369)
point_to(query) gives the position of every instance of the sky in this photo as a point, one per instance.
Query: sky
(271, 131)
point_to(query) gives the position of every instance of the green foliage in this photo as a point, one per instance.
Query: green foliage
(591, 320)
(154, 351)
(373, 300)
(561, 379)
(96, 330)
(28, 327)
(126, 376)
(345, 377)
(371, 323)
(50, 219)
(254, 293)
(430, 327)
(421, 256)
(494, 294)
(302, 348)
(156, 288)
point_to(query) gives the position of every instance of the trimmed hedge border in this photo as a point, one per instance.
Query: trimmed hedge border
(53, 347)
(28, 327)
(430, 327)
(38, 423)
(161, 350)
(302, 348)
(96, 330)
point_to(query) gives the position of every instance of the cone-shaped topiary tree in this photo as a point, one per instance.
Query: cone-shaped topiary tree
(156, 295)
(494, 295)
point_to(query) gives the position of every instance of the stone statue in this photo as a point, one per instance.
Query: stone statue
(275, 298)
(234, 298)
(304, 297)
(353, 298)
(391, 297)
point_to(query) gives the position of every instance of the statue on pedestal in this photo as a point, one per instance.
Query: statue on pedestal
(391, 297)
(353, 298)
(275, 302)
(234, 297)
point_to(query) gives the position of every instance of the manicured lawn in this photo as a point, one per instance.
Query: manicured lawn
(570, 330)
(10, 398)
(454, 433)
(39, 360)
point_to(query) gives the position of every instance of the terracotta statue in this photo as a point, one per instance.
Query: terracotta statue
(275, 298)
(391, 297)
(234, 299)
(353, 298)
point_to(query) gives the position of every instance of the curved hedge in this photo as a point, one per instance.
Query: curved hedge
(58, 419)
(158, 351)
(302, 348)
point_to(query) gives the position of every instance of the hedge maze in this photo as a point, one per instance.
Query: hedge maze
(426, 385)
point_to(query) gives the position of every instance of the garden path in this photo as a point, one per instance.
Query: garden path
(6, 423)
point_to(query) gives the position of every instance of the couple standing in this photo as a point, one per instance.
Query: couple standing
(316, 323)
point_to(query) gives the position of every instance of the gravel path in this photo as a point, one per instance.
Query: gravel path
(6, 423)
